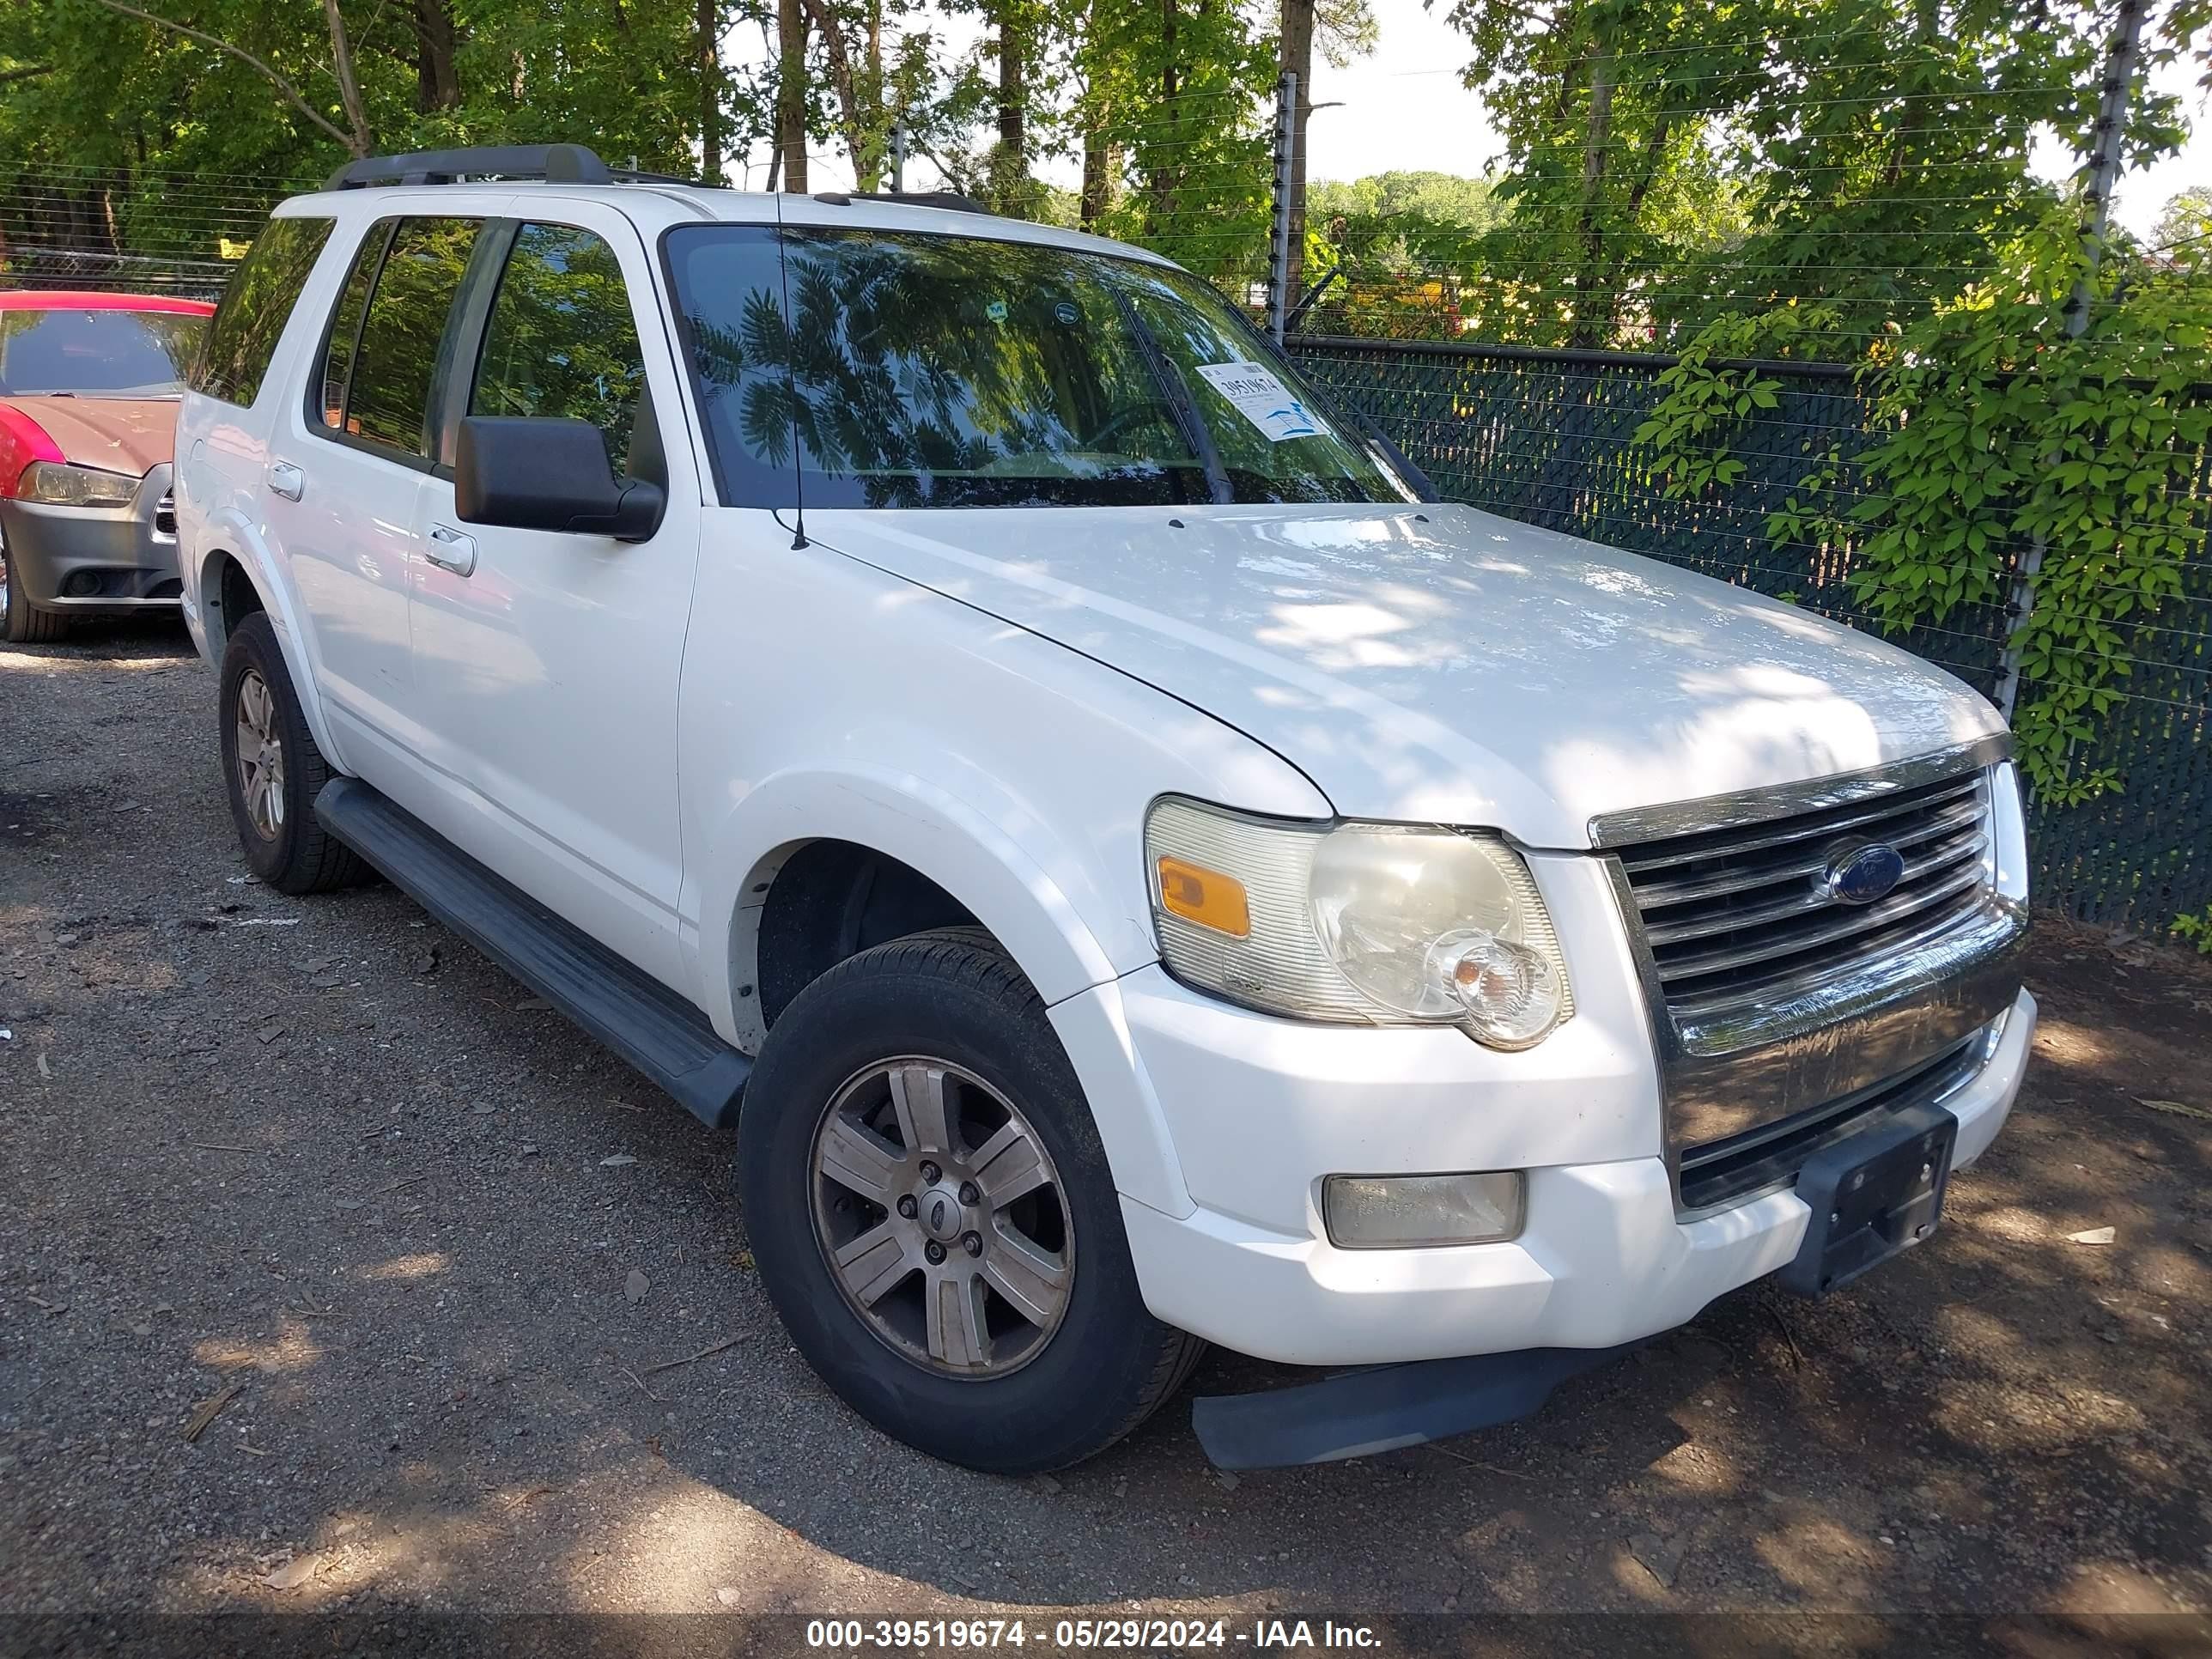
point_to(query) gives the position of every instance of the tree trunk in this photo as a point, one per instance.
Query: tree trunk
(437, 82)
(1101, 161)
(791, 93)
(1163, 173)
(870, 160)
(707, 59)
(1297, 59)
(356, 113)
(1589, 278)
(1011, 137)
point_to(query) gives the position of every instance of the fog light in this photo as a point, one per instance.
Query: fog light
(1403, 1212)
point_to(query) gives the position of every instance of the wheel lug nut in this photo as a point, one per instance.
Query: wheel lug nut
(930, 1172)
(907, 1207)
(973, 1243)
(969, 1192)
(934, 1251)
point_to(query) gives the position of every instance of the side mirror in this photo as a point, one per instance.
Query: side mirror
(533, 473)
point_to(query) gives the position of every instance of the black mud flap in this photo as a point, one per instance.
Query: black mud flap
(1872, 1196)
(1385, 1407)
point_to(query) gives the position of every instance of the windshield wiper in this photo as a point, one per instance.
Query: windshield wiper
(1176, 391)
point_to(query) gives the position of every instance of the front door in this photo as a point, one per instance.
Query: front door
(551, 659)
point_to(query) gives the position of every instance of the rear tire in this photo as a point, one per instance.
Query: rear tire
(858, 1060)
(22, 623)
(272, 770)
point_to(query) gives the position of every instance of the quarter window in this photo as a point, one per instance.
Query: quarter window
(561, 342)
(242, 338)
(395, 366)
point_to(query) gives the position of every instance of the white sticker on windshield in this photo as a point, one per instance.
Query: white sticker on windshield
(1262, 399)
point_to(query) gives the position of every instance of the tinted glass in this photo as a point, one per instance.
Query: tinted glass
(250, 320)
(345, 329)
(560, 340)
(738, 344)
(940, 371)
(94, 354)
(388, 397)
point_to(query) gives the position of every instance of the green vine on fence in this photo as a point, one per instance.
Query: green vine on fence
(1993, 429)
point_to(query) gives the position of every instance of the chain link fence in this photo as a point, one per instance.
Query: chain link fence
(1547, 437)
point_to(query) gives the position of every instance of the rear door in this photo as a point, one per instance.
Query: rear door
(550, 660)
(346, 475)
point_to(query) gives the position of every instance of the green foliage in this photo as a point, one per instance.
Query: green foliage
(1997, 430)
(1668, 165)
(2196, 929)
(1711, 401)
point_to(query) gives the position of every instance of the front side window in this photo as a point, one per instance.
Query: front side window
(243, 336)
(917, 370)
(97, 354)
(395, 364)
(560, 342)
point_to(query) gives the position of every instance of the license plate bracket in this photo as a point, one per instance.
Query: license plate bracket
(1874, 1195)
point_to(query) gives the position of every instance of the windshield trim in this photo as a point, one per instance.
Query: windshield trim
(1399, 473)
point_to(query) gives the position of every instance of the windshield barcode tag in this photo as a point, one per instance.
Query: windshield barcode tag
(1262, 399)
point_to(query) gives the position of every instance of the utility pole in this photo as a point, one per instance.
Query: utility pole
(1278, 251)
(2122, 66)
(1298, 33)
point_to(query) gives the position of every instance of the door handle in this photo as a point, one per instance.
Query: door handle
(451, 550)
(287, 480)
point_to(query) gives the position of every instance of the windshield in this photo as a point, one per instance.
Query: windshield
(942, 370)
(97, 354)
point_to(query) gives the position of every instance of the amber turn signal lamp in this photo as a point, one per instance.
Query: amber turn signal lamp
(1204, 896)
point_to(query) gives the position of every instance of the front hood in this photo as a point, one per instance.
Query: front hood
(118, 435)
(1441, 665)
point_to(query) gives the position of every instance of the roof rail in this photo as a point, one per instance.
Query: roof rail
(557, 164)
(929, 199)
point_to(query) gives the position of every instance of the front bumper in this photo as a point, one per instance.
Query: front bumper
(1605, 1258)
(94, 560)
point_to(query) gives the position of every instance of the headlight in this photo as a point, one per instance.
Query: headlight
(1367, 923)
(57, 484)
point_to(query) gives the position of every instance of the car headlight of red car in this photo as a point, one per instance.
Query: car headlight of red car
(59, 483)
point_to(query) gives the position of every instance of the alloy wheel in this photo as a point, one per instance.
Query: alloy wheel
(941, 1218)
(260, 756)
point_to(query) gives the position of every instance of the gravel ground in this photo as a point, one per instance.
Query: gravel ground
(320, 1178)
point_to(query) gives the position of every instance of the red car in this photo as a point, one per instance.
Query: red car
(89, 389)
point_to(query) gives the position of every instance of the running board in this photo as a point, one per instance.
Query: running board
(627, 1009)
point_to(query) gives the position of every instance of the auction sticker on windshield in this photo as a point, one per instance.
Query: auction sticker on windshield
(1262, 399)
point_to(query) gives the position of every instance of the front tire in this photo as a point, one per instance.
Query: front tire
(932, 1216)
(22, 623)
(273, 771)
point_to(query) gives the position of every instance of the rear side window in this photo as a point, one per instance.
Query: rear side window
(345, 329)
(243, 336)
(561, 342)
(395, 365)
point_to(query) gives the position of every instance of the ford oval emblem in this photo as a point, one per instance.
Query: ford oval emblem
(1860, 875)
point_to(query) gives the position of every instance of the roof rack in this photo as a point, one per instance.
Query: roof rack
(929, 199)
(557, 164)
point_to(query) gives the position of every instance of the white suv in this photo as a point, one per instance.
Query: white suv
(944, 696)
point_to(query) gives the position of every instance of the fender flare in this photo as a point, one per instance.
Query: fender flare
(1030, 892)
(230, 534)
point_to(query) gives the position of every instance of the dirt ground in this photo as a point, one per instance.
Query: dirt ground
(317, 1169)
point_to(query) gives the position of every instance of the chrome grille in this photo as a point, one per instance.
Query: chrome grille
(164, 515)
(1742, 913)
